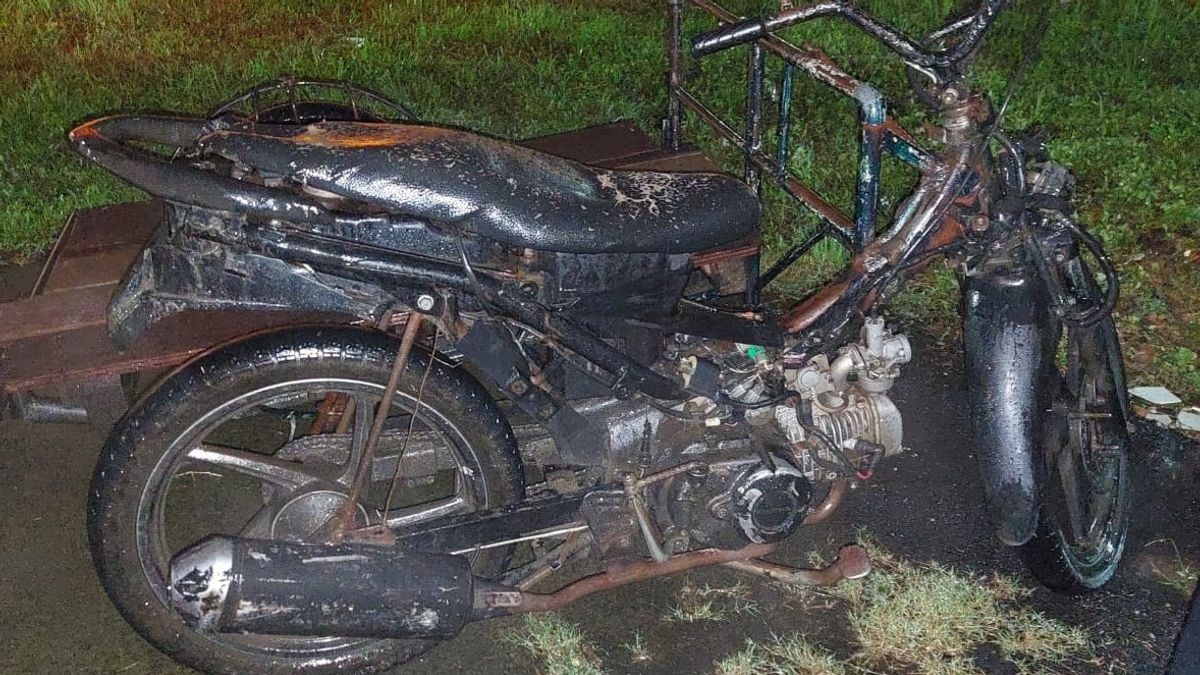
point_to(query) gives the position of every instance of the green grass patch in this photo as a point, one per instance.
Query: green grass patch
(558, 645)
(1116, 92)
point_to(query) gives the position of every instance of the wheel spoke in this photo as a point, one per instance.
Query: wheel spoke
(281, 473)
(1070, 483)
(258, 526)
(411, 515)
(364, 415)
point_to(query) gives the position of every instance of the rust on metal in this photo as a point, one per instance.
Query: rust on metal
(723, 254)
(821, 512)
(524, 602)
(852, 563)
(812, 308)
(349, 510)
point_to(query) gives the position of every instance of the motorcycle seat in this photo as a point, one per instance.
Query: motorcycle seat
(508, 193)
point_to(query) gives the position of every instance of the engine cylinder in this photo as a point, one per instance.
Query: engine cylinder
(230, 584)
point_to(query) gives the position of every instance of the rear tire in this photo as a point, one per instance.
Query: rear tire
(146, 449)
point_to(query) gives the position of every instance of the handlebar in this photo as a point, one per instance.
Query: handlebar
(750, 30)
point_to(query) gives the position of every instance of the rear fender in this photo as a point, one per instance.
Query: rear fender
(181, 274)
(1010, 336)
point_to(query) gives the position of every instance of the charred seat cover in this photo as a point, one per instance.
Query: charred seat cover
(498, 190)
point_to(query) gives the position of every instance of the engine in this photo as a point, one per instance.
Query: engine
(844, 407)
(701, 477)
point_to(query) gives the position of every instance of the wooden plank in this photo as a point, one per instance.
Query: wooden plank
(104, 267)
(116, 225)
(662, 160)
(87, 353)
(53, 313)
(601, 144)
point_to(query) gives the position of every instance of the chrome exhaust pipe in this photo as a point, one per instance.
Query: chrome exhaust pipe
(234, 585)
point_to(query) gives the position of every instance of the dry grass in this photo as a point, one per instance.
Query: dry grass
(559, 645)
(711, 603)
(789, 656)
(925, 619)
(638, 651)
(1171, 570)
(933, 619)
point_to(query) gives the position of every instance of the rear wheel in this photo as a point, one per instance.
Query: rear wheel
(261, 439)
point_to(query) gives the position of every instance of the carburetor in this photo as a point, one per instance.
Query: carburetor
(848, 396)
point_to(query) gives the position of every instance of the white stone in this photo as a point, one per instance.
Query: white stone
(1190, 419)
(1156, 395)
(1161, 419)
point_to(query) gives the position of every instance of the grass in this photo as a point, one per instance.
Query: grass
(559, 646)
(928, 620)
(711, 603)
(792, 655)
(639, 652)
(1172, 570)
(934, 620)
(1115, 92)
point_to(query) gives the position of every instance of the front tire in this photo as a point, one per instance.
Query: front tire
(162, 481)
(1083, 521)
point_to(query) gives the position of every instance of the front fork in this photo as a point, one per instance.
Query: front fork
(1014, 310)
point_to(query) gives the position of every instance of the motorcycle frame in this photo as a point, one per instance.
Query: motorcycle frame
(880, 133)
(261, 228)
(921, 226)
(248, 218)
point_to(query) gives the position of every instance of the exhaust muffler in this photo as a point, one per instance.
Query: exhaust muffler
(233, 585)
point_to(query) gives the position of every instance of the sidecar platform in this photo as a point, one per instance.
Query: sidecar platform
(55, 340)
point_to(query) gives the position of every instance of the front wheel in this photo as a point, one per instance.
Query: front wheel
(261, 439)
(1083, 519)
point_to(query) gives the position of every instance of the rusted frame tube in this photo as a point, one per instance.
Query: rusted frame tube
(757, 64)
(811, 60)
(673, 124)
(879, 134)
(791, 256)
(519, 602)
(348, 510)
(976, 25)
(838, 223)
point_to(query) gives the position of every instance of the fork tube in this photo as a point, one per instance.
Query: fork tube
(754, 113)
(672, 125)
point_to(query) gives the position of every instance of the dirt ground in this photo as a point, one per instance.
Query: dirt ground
(923, 505)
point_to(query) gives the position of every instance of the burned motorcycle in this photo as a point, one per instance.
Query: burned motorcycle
(584, 366)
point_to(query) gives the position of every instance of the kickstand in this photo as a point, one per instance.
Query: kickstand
(852, 563)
